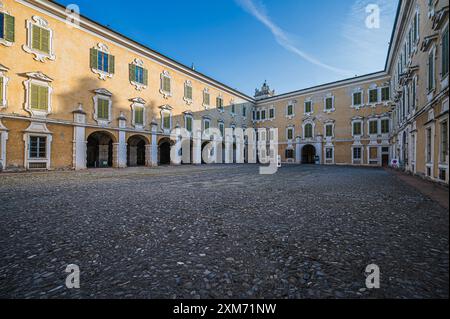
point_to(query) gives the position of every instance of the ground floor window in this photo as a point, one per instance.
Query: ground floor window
(329, 153)
(38, 147)
(428, 145)
(357, 155)
(373, 155)
(289, 154)
(444, 142)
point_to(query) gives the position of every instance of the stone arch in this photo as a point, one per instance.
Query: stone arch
(164, 146)
(309, 153)
(137, 150)
(100, 149)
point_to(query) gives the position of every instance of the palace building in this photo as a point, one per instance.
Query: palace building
(75, 94)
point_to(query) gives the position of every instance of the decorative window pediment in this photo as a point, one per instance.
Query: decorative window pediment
(38, 93)
(39, 39)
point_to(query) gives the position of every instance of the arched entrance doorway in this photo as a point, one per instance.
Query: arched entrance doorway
(100, 150)
(207, 152)
(136, 151)
(164, 151)
(308, 154)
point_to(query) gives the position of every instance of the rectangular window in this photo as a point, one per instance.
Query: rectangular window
(385, 126)
(329, 103)
(222, 129)
(329, 153)
(206, 98)
(263, 115)
(103, 109)
(206, 125)
(431, 71)
(244, 111)
(102, 61)
(271, 113)
(290, 134)
(138, 74)
(38, 147)
(357, 98)
(429, 157)
(6, 27)
(39, 97)
(444, 142)
(166, 85)
(188, 92)
(290, 110)
(233, 109)
(357, 128)
(219, 103)
(40, 39)
(373, 96)
(329, 130)
(166, 121)
(385, 94)
(373, 153)
(373, 127)
(357, 153)
(445, 53)
(258, 115)
(189, 123)
(308, 131)
(308, 107)
(139, 115)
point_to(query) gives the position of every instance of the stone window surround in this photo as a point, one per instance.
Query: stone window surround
(41, 79)
(37, 129)
(3, 41)
(358, 106)
(329, 123)
(138, 86)
(313, 128)
(290, 128)
(189, 101)
(138, 103)
(361, 159)
(186, 116)
(328, 96)
(38, 55)
(206, 105)
(290, 103)
(165, 74)
(102, 74)
(309, 100)
(4, 100)
(106, 95)
(166, 109)
(358, 120)
(444, 80)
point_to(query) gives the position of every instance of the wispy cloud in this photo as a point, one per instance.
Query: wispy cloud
(366, 48)
(258, 11)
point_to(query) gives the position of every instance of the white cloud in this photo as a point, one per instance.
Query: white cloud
(282, 37)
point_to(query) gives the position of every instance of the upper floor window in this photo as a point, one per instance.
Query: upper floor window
(263, 115)
(290, 110)
(222, 129)
(308, 107)
(445, 53)
(102, 63)
(244, 111)
(271, 113)
(290, 133)
(233, 109)
(329, 104)
(103, 106)
(373, 127)
(138, 111)
(357, 99)
(308, 131)
(206, 98)
(166, 84)
(166, 118)
(373, 96)
(329, 130)
(38, 94)
(188, 122)
(385, 94)
(431, 70)
(219, 103)
(138, 75)
(39, 39)
(3, 83)
(206, 124)
(357, 128)
(188, 96)
(6, 29)
(385, 126)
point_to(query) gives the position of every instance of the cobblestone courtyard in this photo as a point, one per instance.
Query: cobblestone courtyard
(219, 232)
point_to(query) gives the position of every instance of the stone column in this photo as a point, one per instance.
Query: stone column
(197, 149)
(122, 145)
(175, 158)
(298, 153)
(151, 151)
(79, 139)
(252, 148)
(228, 149)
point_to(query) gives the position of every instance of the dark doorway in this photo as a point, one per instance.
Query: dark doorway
(385, 160)
(164, 152)
(136, 151)
(99, 150)
(207, 152)
(308, 154)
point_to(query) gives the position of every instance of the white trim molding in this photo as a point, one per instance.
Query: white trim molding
(138, 86)
(138, 103)
(3, 99)
(37, 78)
(189, 101)
(308, 100)
(102, 74)
(329, 96)
(165, 75)
(106, 95)
(37, 130)
(356, 91)
(39, 55)
(166, 109)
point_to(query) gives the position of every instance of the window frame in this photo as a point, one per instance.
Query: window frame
(28, 47)
(332, 109)
(311, 107)
(104, 95)
(138, 64)
(40, 79)
(165, 75)
(4, 39)
(138, 103)
(369, 127)
(4, 87)
(358, 106)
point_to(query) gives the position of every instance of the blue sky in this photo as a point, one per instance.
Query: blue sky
(293, 44)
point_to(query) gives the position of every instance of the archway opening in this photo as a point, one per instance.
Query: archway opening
(99, 150)
(164, 152)
(136, 151)
(207, 152)
(308, 154)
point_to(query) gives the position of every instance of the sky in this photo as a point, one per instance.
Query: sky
(291, 44)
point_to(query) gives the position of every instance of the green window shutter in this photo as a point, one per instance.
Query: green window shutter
(166, 84)
(36, 37)
(132, 72)
(111, 64)
(166, 121)
(145, 77)
(43, 98)
(94, 58)
(9, 28)
(103, 109)
(139, 116)
(45, 40)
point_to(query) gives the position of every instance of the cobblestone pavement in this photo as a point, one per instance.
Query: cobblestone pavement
(220, 232)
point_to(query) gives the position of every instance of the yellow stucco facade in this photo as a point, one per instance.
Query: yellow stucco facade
(358, 121)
